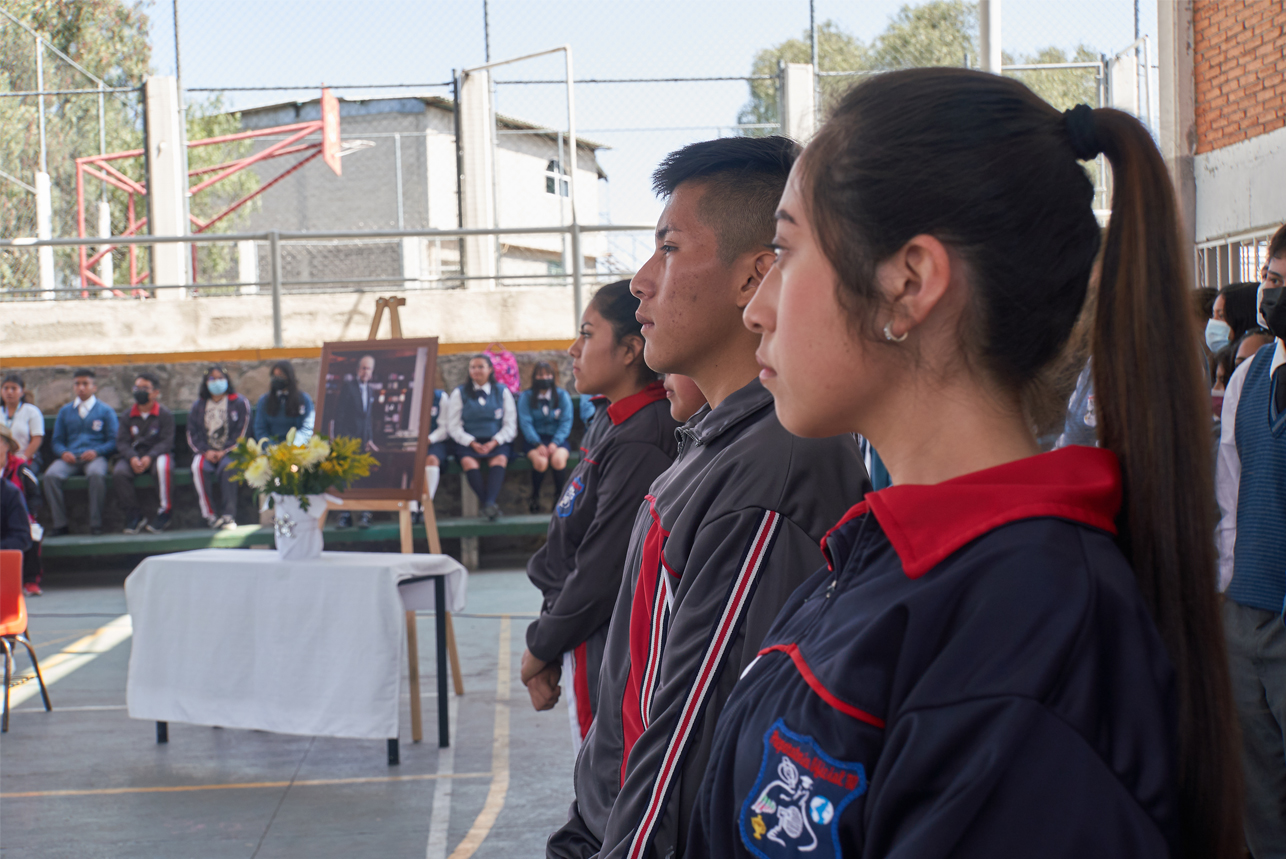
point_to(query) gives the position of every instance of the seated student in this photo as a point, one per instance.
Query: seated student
(284, 408)
(22, 418)
(482, 421)
(726, 533)
(437, 453)
(84, 437)
(981, 669)
(545, 421)
(146, 444)
(578, 570)
(217, 421)
(15, 523)
(14, 469)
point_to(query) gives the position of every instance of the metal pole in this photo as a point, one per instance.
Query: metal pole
(459, 171)
(577, 288)
(178, 67)
(397, 170)
(274, 253)
(989, 35)
(40, 83)
(486, 30)
(815, 59)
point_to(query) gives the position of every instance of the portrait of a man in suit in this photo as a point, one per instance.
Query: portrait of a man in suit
(358, 409)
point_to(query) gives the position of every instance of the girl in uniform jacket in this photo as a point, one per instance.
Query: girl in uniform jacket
(284, 408)
(1008, 653)
(218, 420)
(579, 568)
(482, 421)
(545, 421)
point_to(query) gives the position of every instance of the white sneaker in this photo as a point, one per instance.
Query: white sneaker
(227, 523)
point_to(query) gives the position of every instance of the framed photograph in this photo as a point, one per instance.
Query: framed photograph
(381, 391)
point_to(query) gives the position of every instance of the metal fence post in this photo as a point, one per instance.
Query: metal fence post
(578, 295)
(274, 252)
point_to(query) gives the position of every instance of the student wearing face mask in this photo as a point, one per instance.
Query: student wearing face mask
(217, 421)
(1250, 484)
(284, 408)
(145, 442)
(545, 420)
(1232, 315)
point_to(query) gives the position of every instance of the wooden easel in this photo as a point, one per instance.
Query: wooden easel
(403, 509)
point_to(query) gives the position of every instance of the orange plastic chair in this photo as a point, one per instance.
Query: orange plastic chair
(13, 626)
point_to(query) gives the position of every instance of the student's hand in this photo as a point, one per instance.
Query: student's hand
(531, 666)
(546, 450)
(69, 457)
(544, 690)
(489, 446)
(478, 447)
(89, 456)
(136, 464)
(212, 456)
(145, 462)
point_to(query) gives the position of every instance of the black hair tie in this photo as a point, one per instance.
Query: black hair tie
(1082, 132)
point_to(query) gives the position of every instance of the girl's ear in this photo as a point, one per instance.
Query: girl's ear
(632, 348)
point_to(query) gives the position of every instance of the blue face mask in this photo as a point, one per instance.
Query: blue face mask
(1218, 334)
(217, 386)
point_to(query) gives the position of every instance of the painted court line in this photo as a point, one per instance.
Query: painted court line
(440, 818)
(256, 785)
(499, 757)
(73, 657)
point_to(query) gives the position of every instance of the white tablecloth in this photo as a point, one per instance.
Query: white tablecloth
(240, 639)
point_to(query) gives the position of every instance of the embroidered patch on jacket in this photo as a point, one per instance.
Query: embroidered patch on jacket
(567, 504)
(796, 802)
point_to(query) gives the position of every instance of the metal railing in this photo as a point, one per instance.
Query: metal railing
(275, 240)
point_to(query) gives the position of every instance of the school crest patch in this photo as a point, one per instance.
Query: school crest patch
(796, 802)
(567, 503)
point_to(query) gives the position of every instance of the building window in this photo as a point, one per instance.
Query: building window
(554, 181)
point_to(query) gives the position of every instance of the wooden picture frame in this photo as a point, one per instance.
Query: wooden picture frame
(399, 402)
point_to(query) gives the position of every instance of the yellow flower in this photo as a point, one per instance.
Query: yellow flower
(258, 472)
(315, 452)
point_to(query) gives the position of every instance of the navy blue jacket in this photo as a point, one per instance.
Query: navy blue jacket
(277, 427)
(15, 524)
(96, 431)
(977, 676)
(551, 417)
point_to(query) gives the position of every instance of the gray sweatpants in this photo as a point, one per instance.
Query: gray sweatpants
(95, 470)
(1257, 656)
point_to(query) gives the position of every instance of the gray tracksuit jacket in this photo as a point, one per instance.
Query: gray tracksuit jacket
(723, 539)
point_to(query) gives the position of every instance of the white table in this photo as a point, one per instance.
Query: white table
(240, 639)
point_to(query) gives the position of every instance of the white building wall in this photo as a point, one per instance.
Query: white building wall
(1239, 187)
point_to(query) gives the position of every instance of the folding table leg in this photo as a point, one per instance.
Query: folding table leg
(162, 732)
(413, 664)
(439, 609)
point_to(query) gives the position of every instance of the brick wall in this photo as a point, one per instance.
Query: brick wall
(1239, 70)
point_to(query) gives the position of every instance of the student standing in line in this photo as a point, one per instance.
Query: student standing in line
(22, 418)
(985, 667)
(545, 420)
(145, 442)
(1250, 484)
(578, 570)
(217, 421)
(84, 437)
(482, 421)
(726, 534)
(284, 408)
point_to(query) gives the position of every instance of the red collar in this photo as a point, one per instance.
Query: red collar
(136, 412)
(925, 524)
(624, 410)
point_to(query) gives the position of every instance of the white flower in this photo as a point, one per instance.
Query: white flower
(258, 472)
(290, 436)
(253, 446)
(315, 452)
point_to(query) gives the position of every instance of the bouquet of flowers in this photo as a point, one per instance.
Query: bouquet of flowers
(301, 471)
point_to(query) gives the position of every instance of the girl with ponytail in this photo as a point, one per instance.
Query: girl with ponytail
(1008, 653)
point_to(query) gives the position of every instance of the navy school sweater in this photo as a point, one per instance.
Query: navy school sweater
(975, 674)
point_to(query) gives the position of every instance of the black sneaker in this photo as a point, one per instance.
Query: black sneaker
(345, 521)
(135, 524)
(58, 532)
(492, 512)
(364, 521)
(159, 522)
(417, 517)
(533, 506)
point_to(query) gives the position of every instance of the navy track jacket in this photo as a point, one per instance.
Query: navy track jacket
(727, 534)
(578, 570)
(975, 675)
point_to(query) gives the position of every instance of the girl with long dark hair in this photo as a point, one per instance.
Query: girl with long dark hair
(482, 421)
(545, 421)
(580, 566)
(284, 408)
(1008, 653)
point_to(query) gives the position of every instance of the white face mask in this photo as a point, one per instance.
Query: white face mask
(1218, 334)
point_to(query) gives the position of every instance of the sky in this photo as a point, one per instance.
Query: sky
(244, 43)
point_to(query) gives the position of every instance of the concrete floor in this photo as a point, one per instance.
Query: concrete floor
(86, 781)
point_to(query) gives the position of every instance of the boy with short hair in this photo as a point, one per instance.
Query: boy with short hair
(84, 437)
(726, 534)
(145, 442)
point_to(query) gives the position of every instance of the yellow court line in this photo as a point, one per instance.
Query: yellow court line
(72, 657)
(499, 757)
(111, 791)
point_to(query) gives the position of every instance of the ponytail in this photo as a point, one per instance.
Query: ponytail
(1153, 413)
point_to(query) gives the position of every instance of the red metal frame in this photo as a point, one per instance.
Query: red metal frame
(99, 167)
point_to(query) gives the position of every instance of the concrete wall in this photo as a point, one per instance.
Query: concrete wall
(37, 328)
(1239, 187)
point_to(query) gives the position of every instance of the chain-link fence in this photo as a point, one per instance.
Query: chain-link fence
(642, 88)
